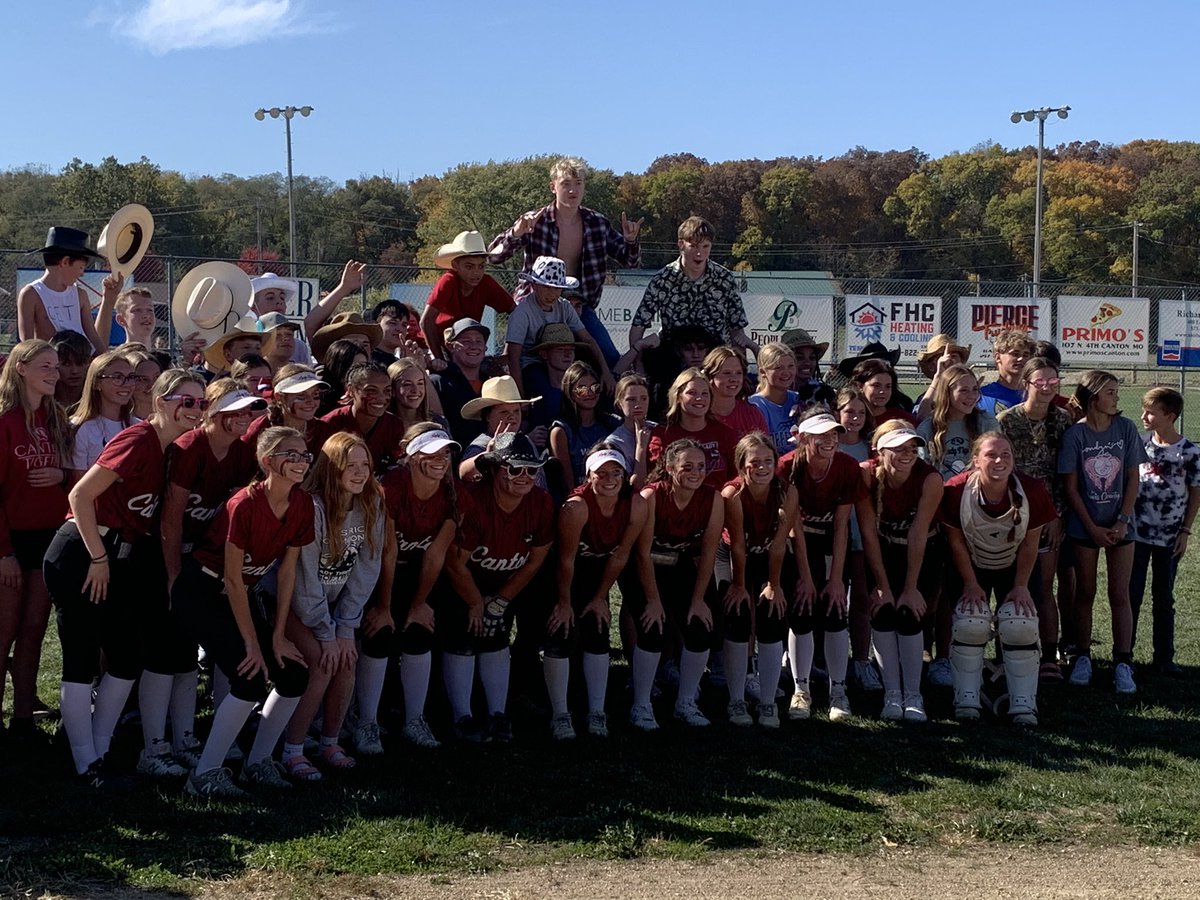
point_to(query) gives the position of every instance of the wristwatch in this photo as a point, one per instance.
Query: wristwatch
(1128, 520)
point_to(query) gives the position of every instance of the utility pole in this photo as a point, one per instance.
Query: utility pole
(1137, 226)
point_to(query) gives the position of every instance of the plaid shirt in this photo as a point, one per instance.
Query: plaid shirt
(600, 241)
(711, 301)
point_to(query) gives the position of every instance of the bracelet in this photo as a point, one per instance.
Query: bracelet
(98, 560)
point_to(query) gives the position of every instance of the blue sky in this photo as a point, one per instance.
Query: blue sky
(407, 89)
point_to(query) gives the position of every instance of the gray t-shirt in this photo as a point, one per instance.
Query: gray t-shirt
(528, 319)
(956, 444)
(1099, 459)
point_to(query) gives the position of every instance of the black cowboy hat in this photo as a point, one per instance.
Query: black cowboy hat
(874, 350)
(513, 449)
(68, 240)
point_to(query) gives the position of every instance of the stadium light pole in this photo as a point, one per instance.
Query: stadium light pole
(287, 112)
(1041, 115)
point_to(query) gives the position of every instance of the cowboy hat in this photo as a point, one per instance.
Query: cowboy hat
(67, 240)
(874, 350)
(496, 391)
(126, 238)
(246, 326)
(512, 449)
(271, 281)
(269, 324)
(465, 243)
(556, 334)
(927, 358)
(798, 337)
(549, 271)
(210, 299)
(339, 326)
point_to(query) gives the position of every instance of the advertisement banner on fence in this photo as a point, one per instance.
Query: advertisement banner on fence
(770, 315)
(907, 322)
(1103, 329)
(980, 319)
(1178, 333)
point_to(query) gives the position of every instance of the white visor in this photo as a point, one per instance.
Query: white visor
(898, 438)
(299, 383)
(430, 442)
(819, 425)
(235, 401)
(600, 457)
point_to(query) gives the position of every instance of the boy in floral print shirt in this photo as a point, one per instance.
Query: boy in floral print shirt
(1168, 499)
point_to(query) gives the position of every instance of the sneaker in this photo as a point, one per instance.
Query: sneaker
(215, 784)
(597, 724)
(737, 713)
(689, 713)
(1027, 719)
(1123, 679)
(966, 713)
(642, 718)
(1170, 669)
(98, 778)
(839, 704)
(940, 674)
(914, 708)
(159, 765)
(366, 739)
(418, 732)
(188, 751)
(893, 706)
(562, 728)
(1081, 673)
(867, 676)
(467, 729)
(266, 773)
(500, 729)
(768, 715)
(800, 706)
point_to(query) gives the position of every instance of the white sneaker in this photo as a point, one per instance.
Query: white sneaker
(160, 765)
(737, 713)
(839, 703)
(893, 706)
(562, 728)
(689, 713)
(216, 784)
(866, 676)
(800, 706)
(768, 715)
(914, 708)
(597, 724)
(418, 732)
(266, 773)
(642, 718)
(940, 674)
(1123, 679)
(366, 739)
(1081, 672)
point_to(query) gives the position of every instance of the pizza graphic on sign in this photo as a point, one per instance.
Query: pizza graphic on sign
(1106, 312)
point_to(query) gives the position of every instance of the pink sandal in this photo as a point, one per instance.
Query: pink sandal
(337, 758)
(301, 768)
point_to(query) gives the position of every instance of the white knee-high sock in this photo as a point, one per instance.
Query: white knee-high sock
(912, 651)
(595, 677)
(887, 655)
(770, 667)
(368, 687)
(110, 701)
(557, 672)
(414, 677)
(154, 699)
(458, 671)
(643, 667)
(275, 715)
(183, 707)
(735, 669)
(494, 668)
(228, 720)
(691, 669)
(800, 657)
(837, 655)
(75, 705)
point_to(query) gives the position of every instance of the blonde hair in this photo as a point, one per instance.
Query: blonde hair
(749, 443)
(717, 357)
(417, 430)
(89, 402)
(674, 405)
(941, 394)
(398, 368)
(769, 357)
(569, 167)
(12, 396)
(268, 441)
(324, 480)
(883, 471)
(277, 407)
(125, 299)
(1013, 339)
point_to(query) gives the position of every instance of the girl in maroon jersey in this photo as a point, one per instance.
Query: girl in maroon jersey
(296, 394)
(725, 369)
(902, 494)
(598, 528)
(255, 542)
(370, 392)
(35, 449)
(423, 510)
(759, 576)
(686, 516)
(104, 570)
(505, 536)
(413, 398)
(689, 401)
(335, 576)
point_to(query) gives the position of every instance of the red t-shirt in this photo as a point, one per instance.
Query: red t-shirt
(760, 521)
(385, 436)
(681, 530)
(716, 439)
(451, 305)
(744, 419)
(23, 506)
(247, 522)
(602, 534)
(899, 507)
(417, 522)
(130, 504)
(819, 499)
(192, 465)
(1041, 506)
(500, 543)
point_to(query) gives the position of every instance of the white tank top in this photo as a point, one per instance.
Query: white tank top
(61, 306)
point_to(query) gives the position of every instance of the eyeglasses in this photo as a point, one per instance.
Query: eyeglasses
(295, 456)
(1042, 383)
(121, 380)
(521, 471)
(188, 402)
(586, 390)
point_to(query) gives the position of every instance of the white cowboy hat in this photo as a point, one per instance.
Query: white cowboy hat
(210, 299)
(465, 243)
(126, 238)
(550, 271)
(246, 326)
(270, 280)
(495, 391)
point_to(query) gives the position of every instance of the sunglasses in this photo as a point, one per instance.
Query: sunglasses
(521, 471)
(121, 380)
(188, 402)
(295, 456)
(1043, 383)
(586, 390)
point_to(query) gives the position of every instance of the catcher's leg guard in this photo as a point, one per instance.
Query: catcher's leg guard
(969, 636)
(1019, 643)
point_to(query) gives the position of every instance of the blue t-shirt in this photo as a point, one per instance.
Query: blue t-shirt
(1099, 459)
(995, 397)
(779, 418)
